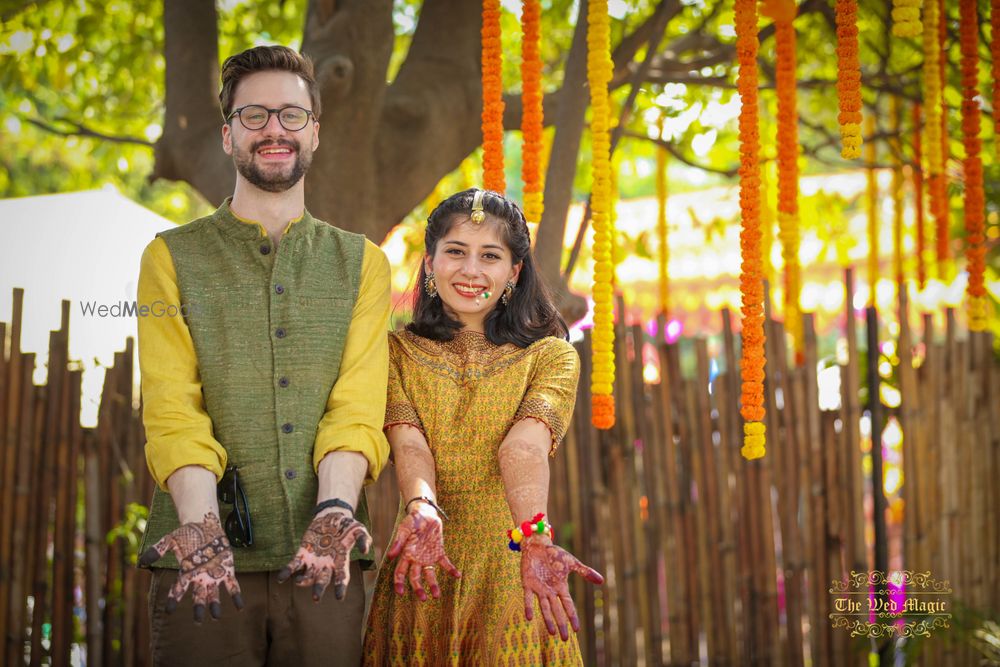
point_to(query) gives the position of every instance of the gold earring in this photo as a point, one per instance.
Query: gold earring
(508, 292)
(430, 285)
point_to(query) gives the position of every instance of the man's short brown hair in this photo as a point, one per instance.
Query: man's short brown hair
(262, 59)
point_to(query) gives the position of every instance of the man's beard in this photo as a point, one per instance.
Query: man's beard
(275, 181)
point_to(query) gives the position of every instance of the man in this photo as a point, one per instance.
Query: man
(267, 393)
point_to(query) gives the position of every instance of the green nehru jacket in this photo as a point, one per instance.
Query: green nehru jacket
(269, 327)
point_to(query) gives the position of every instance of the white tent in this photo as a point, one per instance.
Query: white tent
(80, 246)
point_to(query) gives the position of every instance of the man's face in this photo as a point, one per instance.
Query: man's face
(272, 158)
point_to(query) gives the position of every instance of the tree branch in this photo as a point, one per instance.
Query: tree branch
(673, 150)
(80, 130)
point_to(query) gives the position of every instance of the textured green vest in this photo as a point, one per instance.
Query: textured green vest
(269, 326)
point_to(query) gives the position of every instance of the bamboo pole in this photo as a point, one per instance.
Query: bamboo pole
(8, 463)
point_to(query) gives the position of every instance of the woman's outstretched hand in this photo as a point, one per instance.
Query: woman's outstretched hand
(545, 570)
(419, 544)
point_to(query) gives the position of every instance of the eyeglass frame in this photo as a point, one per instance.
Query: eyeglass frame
(271, 112)
(238, 519)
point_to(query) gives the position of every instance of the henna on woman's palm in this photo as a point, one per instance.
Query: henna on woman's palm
(206, 564)
(420, 544)
(324, 553)
(545, 570)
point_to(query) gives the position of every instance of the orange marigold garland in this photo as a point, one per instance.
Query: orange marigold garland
(531, 108)
(848, 78)
(975, 203)
(492, 120)
(783, 12)
(995, 48)
(598, 76)
(918, 198)
(906, 18)
(942, 236)
(751, 276)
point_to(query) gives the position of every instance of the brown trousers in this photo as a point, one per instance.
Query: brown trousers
(279, 625)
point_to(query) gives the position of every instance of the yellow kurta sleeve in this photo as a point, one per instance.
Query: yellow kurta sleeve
(178, 429)
(356, 407)
(399, 408)
(551, 393)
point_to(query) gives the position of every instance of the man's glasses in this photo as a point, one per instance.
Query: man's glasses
(255, 117)
(237, 525)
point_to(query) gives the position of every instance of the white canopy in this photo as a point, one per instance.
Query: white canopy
(80, 246)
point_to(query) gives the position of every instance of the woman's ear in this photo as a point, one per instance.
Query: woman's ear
(427, 264)
(515, 271)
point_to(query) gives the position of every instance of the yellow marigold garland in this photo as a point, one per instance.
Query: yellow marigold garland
(932, 106)
(751, 276)
(492, 119)
(848, 78)
(942, 235)
(975, 203)
(918, 198)
(661, 225)
(598, 76)
(531, 108)
(906, 18)
(872, 197)
(783, 12)
(897, 196)
(995, 48)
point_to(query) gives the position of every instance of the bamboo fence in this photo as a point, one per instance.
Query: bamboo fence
(709, 558)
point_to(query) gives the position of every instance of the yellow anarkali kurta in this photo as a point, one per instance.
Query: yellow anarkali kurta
(465, 395)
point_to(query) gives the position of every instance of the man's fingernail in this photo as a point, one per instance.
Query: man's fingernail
(317, 592)
(215, 609)
(283, 575)
(149, 556)
(171, 605)
(299, 579)
(238, 601)
(199, 613)
(363, 545)
(339, 590)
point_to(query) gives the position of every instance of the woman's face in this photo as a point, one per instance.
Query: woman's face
(469, 261)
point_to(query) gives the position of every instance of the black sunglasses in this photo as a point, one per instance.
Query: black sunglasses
(237, 525)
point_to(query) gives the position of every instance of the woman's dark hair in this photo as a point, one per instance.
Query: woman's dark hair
(529, 316)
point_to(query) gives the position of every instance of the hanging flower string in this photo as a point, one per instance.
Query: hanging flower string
(751, 276)
(906, 18)
(531, 109)
(492, 121)
(783, 12)
(995, 48)
(932, 108)
(942, 235)
(975, 203)
(848, 78)
(918, 198)
(661, 224)
(871, 208)
(897, 196)
(598, 76)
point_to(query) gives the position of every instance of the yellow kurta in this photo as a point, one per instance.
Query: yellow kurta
(465, 395)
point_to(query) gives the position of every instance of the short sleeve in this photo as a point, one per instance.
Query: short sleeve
(551, 393)
(399, 409)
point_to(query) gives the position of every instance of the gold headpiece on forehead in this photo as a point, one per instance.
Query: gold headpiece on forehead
(478, 215)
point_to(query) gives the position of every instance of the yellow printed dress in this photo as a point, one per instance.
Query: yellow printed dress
(465, 395)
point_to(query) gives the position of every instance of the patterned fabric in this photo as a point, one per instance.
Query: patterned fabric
(465, 395)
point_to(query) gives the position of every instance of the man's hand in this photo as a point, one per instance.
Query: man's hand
(206, 561)
(420, 545)
(325, 552)
(545, 569)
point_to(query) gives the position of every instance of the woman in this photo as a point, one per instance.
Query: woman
(481, 389)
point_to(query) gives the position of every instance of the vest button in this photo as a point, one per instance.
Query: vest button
(283, 382)
(265, 249)
(279, 332)
(279, 289)
(286, 427)
(289, 474)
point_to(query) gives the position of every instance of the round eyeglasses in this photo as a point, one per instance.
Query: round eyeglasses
(255, 117)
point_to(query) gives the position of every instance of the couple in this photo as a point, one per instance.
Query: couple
(270, 405)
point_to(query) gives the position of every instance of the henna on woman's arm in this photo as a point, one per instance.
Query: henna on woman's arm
(524, 467)
(324, 554)
(206, 565)
(419, 544)
(545, 570)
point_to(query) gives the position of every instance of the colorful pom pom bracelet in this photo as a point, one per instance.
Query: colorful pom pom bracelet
(536, 526)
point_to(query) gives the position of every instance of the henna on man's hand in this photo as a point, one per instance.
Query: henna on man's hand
(206, 565)
(324, 554)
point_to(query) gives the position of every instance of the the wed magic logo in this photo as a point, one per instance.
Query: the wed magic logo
(135, 309)
(904, 604)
